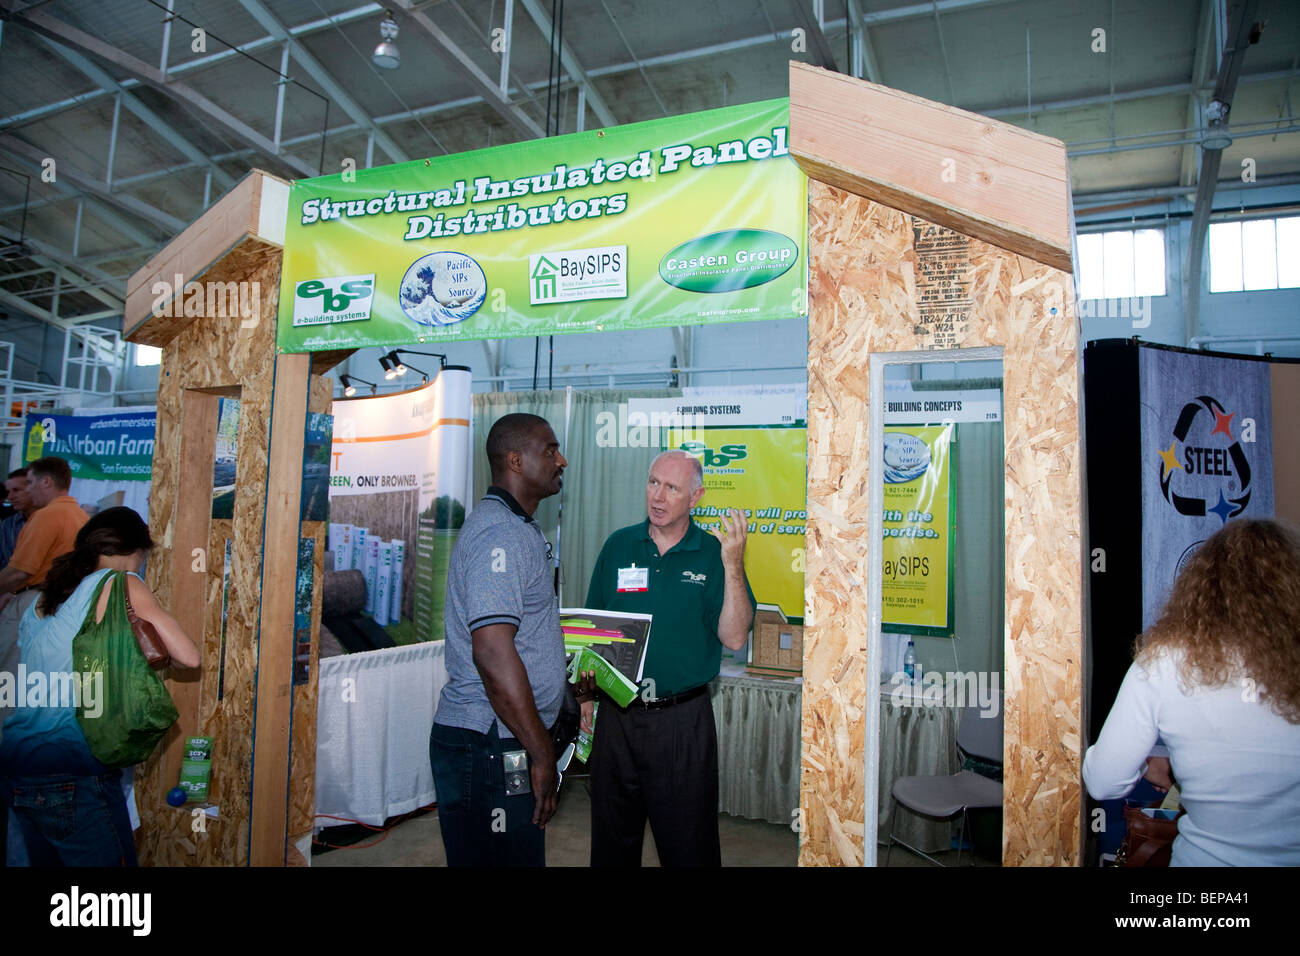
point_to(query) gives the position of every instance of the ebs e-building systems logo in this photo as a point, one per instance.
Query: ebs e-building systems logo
(1205, 469)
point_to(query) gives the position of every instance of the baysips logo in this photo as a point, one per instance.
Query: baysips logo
(1208, 466)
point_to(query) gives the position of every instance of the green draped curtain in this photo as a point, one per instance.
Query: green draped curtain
(604, 485)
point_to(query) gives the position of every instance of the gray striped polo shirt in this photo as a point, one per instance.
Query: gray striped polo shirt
(500, 574)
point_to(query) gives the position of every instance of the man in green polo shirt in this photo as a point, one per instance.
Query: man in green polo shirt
(658, 759)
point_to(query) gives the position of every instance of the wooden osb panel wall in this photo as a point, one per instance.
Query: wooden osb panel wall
(216, 354)
(302, 774)
(871, 269)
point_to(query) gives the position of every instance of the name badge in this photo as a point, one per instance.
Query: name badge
(633, 579)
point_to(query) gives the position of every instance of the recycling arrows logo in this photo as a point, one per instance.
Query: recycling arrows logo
(1206, 460)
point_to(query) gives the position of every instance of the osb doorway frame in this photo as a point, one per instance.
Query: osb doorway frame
(898, 183)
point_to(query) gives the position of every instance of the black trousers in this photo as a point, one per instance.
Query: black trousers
(660, 765)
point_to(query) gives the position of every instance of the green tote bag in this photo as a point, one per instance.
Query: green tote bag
(136, 709)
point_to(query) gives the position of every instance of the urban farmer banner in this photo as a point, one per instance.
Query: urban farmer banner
(682, 221)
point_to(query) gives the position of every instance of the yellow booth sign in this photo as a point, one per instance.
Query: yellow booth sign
(917, 524)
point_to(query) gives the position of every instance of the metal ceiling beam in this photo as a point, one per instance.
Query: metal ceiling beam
(1237, 39)
(317, 71)
(89, 184)
(199, 63)
(84, 42)
(570, 62)
(867, 58)
(487, 88)
(449, 105)
(54, 257)
(35, 311)
(820, 50)
(1205, 33)
(80, 284)
(155, 122)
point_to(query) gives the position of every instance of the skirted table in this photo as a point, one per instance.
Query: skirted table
(374, 714)
(758, 745)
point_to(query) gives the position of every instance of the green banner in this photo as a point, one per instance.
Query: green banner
(682, 221)
(114, 446)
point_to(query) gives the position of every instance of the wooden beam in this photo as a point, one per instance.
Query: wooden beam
(189, 586)
(268, 826)
(254, 209)
(981, 177)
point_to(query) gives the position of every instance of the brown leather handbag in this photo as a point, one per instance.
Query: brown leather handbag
(1148, 841)
(146, 635)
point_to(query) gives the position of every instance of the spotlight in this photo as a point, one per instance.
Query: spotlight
(350, 389)
(386, 56)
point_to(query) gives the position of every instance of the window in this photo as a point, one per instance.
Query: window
(1255, 254)
(147, 355)
(1121, 265)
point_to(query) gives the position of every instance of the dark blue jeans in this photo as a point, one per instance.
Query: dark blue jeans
(481, 826)
(72, 821)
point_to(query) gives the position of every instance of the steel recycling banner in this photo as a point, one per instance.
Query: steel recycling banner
(399, 484)
(917, 576)
(682, 221)
(1207, 457)
(753, 448)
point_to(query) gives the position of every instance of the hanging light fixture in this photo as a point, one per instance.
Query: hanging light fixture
(386, 56)
(1216, 135)
(350, 389)
(392, 365)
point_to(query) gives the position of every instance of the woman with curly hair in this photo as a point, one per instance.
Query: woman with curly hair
(1217, 678)
(70, 807)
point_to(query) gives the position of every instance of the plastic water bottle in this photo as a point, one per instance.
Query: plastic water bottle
(909, 663)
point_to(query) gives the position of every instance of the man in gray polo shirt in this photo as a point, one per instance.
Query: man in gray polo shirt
(505, 661)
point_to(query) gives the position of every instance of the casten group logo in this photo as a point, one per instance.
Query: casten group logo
(1205, 470)
(442, 288)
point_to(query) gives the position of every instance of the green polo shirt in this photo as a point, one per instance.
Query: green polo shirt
(685, 591)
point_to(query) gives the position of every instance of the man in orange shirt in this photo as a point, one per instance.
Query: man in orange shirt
(49, 532)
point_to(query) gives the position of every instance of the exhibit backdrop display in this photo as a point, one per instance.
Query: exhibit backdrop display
(681, 221)
(1207, 457)
(110, 454)
(399, 482)
(752, 444)
(917, 576)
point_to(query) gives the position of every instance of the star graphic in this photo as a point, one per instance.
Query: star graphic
(1222, 509)
(1222, 424)
(1170, 459)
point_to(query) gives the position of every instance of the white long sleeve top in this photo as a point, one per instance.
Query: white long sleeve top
(1236, 761)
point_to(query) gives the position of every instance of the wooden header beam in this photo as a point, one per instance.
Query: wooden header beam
(253, 213)
(983, 178)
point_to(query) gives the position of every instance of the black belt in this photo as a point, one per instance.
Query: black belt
(658, 702)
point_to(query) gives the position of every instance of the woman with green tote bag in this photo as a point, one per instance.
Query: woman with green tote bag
(70, 806)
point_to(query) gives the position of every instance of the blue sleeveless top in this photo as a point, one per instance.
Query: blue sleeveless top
(43, 736)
